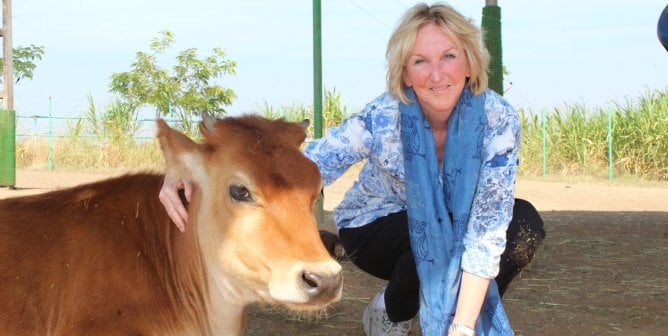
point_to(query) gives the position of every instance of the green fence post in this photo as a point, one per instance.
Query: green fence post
(317, 90)
(50, 139)
(544, 127)
(35, 132)
(609, 142)
(7, 148)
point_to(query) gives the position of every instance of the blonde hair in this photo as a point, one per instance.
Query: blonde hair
(466, 34)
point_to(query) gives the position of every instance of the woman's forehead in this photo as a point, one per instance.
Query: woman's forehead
(433, 37)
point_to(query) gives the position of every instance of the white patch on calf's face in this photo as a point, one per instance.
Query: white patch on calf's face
(269, 266)
(235, 258)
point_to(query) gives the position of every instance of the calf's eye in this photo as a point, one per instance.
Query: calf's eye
(240, 193)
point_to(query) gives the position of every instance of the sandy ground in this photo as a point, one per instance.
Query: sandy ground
(578, 194)
(546, 194)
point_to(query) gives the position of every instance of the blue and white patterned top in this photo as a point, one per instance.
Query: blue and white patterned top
(374, 134)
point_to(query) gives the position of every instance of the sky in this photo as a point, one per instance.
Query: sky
(557, 52)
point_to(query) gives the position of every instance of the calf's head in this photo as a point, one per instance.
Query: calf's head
(253, 210)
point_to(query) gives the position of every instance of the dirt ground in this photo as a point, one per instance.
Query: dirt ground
(602, 269)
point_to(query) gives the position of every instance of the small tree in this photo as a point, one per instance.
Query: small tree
(187, 89)
(24, 61)
(117, 122)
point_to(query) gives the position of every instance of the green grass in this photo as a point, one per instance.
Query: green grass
(576, 139)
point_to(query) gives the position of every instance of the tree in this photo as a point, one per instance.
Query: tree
(24, 61)
(186, 89)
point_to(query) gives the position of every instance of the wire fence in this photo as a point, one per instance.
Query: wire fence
(51, 127)
(45, 126)
(544, 136)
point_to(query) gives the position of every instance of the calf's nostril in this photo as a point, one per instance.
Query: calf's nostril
(322, 287)
(311, 279)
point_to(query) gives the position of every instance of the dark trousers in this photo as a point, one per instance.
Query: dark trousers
(382, 248)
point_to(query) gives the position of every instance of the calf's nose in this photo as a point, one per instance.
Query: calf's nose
(322, 288)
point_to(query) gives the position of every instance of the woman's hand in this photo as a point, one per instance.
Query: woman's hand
(169, 196)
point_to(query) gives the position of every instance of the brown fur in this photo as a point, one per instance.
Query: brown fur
(105, 238)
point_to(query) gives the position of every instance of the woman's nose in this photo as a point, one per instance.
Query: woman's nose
(437, 71)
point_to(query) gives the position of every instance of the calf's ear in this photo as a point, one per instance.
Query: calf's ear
(180, 152)
(208, 121)
(294, 133)
(304, 124)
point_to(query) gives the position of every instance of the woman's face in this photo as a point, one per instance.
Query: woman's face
(436, 68)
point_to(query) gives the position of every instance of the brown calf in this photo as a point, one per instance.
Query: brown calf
(105, 259)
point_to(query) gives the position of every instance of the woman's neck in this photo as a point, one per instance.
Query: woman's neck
(438, 121)
(439, 141)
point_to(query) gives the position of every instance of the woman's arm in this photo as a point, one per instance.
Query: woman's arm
(471, 296)
(354, 139)
(491, 211)
(341, 147)
(492, 208)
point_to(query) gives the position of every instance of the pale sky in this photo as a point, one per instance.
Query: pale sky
(557, 51)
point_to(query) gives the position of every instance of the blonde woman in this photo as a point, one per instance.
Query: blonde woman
(433, 210)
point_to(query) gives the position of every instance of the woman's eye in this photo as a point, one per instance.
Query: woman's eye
(240, 193)
(450, 56)
(418, 61)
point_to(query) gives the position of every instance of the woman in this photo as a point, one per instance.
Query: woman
(433, 208)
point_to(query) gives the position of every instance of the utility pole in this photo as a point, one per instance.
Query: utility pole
(491, 26)
(7, 114)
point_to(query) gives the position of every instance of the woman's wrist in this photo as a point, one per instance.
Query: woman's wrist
(460, 329)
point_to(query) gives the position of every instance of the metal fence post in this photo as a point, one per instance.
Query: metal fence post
(317, 90)
(609, 142)
(50, 139)
(544, 127)
(7, 148)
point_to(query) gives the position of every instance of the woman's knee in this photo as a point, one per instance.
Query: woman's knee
(527, 218)
(525, 234)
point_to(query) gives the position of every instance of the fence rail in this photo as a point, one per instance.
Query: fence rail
(31, 126)
(50, 130)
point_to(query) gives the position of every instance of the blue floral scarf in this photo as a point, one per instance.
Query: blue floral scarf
(434, 195)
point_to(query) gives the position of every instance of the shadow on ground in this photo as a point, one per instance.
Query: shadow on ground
(598, 273)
